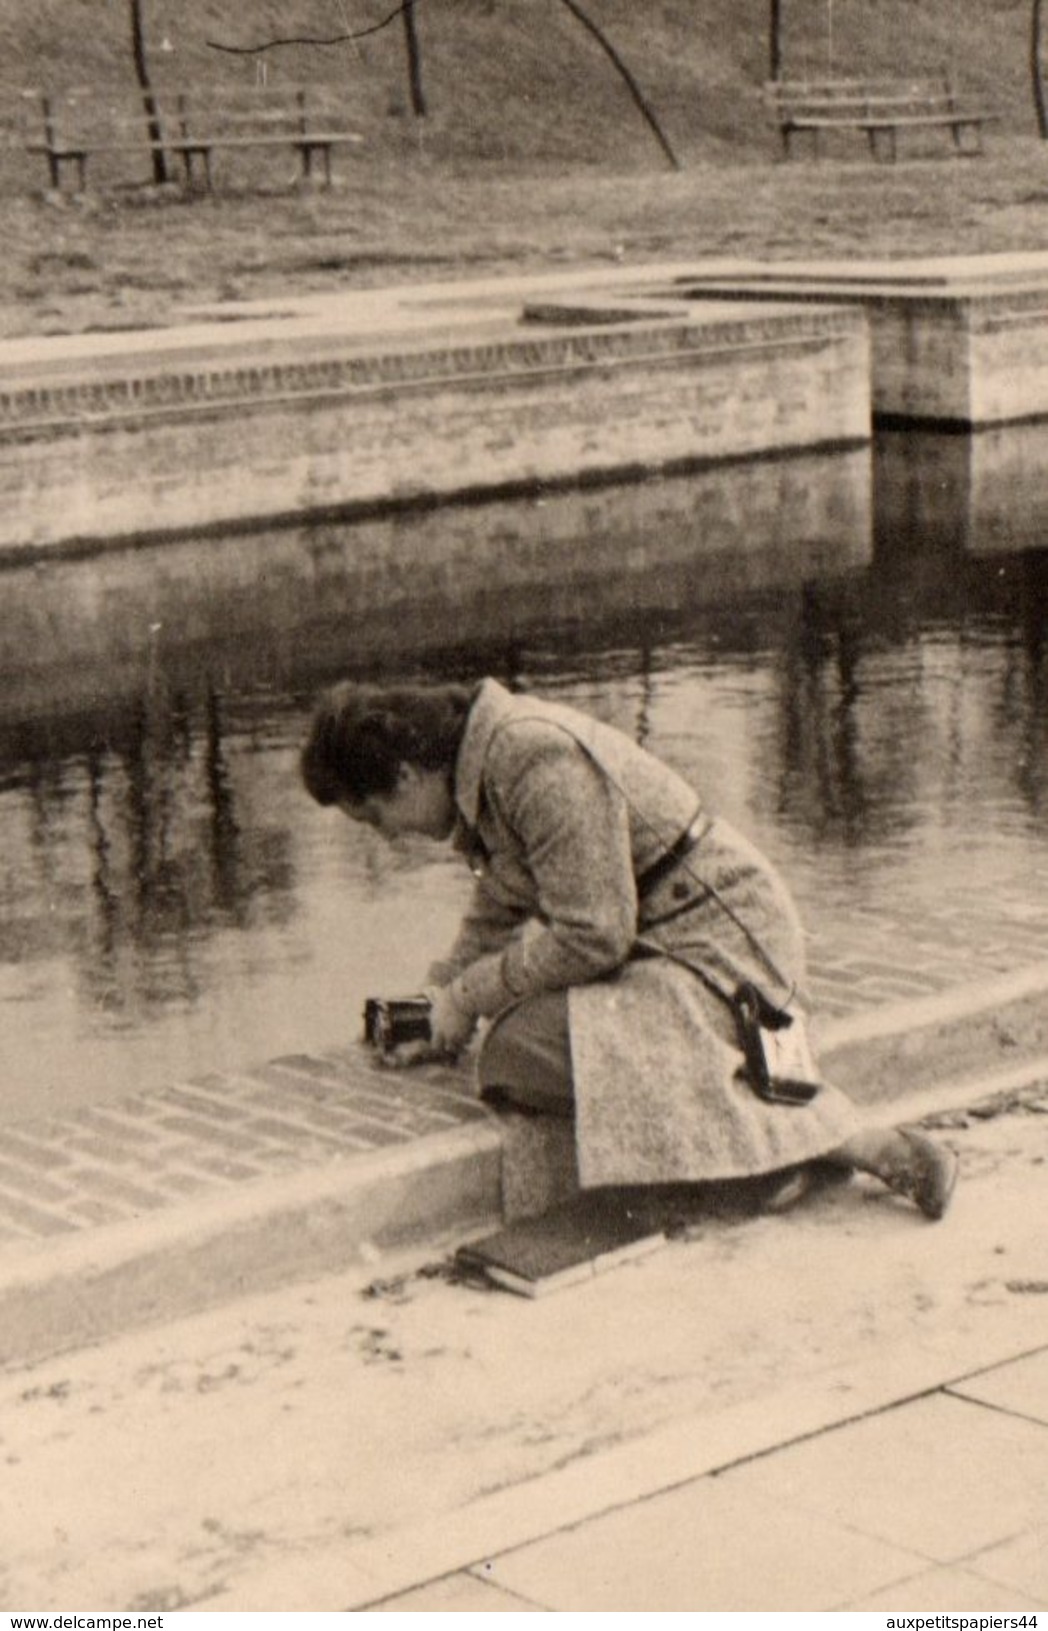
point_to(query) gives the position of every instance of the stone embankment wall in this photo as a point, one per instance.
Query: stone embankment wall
(102, 445)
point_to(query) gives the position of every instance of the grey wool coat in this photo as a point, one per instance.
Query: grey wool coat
(560, 817)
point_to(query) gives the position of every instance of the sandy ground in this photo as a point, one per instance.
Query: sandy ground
(156, 1470)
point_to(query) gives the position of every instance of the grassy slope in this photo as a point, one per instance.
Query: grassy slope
(533, 156)
(521, 80)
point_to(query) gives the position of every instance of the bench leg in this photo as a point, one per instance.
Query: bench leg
(967, 137)
(307, 150)
(55, 165)
(189, 156)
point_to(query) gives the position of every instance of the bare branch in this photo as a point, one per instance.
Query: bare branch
(631, 84)
(311, 39)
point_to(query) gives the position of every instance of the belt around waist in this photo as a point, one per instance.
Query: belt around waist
(683, 846)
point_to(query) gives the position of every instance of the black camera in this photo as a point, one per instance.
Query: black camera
(390, 1021)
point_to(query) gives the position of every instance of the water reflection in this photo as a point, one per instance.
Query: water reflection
(983, 494)
(822, 776)
(134, 852)
(868, 698)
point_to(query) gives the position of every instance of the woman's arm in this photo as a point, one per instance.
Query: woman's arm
(487, 926)
(571, 823)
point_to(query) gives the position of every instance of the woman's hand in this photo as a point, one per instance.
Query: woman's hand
(450, 1025)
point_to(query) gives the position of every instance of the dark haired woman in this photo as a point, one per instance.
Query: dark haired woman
(638, 964)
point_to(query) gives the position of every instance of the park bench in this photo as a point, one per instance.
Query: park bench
(67, 129)
(879, 107)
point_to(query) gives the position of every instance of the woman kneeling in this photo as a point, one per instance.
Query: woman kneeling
(637, 964)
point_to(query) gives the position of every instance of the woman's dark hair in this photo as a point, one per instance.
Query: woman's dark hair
(360, 735)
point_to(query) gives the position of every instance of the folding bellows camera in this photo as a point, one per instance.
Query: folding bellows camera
(389, 1021)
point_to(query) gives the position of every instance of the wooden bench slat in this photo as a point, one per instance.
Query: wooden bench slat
(875, 122)
(844, 105)
(176, 144)
(878, 107)
(311, 138)
(829, 87)
(68, 128)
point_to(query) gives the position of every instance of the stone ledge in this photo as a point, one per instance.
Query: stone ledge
(138, 386)
(105, 1281)
(970, 1034)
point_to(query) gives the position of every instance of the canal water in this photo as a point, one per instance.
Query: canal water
(847, 654)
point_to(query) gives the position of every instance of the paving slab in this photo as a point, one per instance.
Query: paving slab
(813, 1525)
(459, 1594)
(454, 299)
(914, 271)
(1020, 1388)
(1019, 1564)
(682, 1550)
(905, 1477)
(945, 1591)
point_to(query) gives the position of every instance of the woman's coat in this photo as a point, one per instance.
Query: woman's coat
(561, 818)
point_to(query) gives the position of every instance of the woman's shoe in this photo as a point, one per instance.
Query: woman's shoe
(927, 1176)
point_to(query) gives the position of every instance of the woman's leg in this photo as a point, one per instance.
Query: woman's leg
(908, 1162)
(525, 1058)
(525, 1063)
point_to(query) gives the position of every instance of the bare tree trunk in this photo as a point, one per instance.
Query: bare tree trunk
(1037, 72)
(634, 88)
(156, 135)
(418, 95)
(775, 40)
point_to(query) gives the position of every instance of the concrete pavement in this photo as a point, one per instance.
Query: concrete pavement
(864, 1516)
(911, 1477)
(842, 1406)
